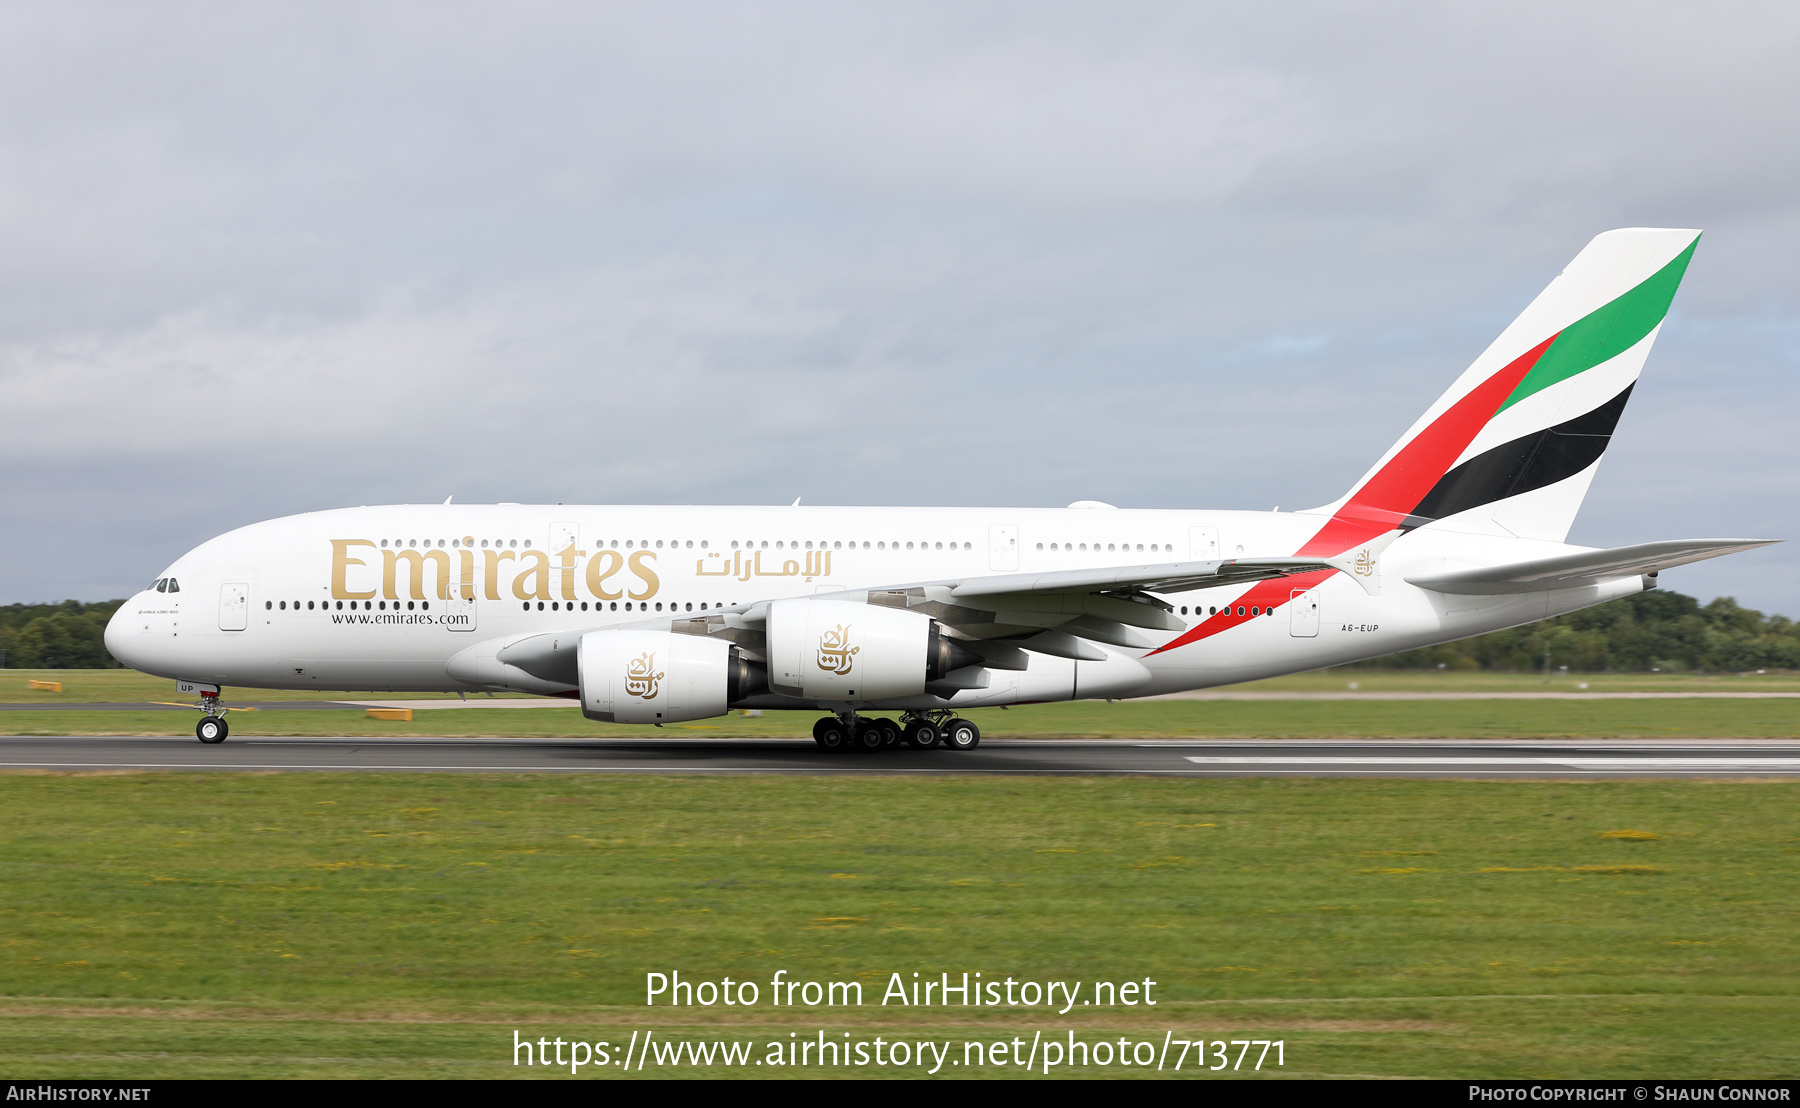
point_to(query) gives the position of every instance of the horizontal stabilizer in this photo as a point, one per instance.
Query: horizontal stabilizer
(1570, 570)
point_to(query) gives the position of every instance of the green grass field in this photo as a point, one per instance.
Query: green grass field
(405, 925)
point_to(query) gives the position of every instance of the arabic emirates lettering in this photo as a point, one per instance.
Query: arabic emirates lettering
(641, 677)
(835, 651)
(818, 564)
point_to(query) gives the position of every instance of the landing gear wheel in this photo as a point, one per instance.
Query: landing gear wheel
(922, 735)
(869, 735)
(960, 734)
(212, 729)
(831, 734)
(890, 732)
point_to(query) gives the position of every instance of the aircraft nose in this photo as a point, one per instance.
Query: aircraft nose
(118, 636)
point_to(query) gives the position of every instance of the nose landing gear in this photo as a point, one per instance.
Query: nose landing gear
(212, 727)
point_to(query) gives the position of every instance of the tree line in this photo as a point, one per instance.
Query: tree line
(1657, 630)
(69, 635)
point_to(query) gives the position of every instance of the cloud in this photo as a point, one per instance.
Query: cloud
(272, 259)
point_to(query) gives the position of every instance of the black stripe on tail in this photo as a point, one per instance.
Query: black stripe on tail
(1538, 460)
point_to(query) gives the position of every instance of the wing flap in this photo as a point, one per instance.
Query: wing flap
(1571, 570)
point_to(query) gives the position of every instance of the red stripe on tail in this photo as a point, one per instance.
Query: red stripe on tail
(1387, 498)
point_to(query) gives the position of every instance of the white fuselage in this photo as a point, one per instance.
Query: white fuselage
(350, 599)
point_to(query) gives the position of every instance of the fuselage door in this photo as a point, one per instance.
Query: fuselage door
(564, 535)
(1003, 547)
(234, 606)
(1303, 614)
(459, 601)
(1203, 543)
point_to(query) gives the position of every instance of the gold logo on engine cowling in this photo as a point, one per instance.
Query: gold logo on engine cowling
(641, 678)
(835, 651)
(1365, 565)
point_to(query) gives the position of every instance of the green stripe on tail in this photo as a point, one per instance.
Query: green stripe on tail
(1606, 332)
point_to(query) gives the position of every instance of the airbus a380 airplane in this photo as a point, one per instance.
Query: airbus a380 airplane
(658, 614)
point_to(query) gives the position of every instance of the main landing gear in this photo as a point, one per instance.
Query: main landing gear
(921, 731)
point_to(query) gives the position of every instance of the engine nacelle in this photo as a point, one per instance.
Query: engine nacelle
(660, 676)
(840, 650)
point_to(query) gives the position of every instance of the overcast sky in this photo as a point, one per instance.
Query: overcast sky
(263, 259)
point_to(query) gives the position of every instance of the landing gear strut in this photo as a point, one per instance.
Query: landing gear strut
(925, 730)
(831, 733)
(922, 734)
(921, 731)
(960, 734)
(874, 734)
(850, 732)
(212, 727)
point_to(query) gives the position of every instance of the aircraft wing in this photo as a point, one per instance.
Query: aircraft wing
(1066, 612)
(1063, 612)
(1171, 577)
(1569, 570)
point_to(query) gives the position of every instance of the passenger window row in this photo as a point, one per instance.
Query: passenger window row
(1123, 547)
(752, 544)
(325, 605)
(643, 606)
(690, 544)
(425, 606)
(1255, 610)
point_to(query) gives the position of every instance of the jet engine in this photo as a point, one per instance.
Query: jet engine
(661, 676)
(840, 650)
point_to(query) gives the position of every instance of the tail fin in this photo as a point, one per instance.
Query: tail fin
(1514, 443)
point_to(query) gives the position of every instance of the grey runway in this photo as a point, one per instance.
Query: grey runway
(1181, 758)
(426, 704)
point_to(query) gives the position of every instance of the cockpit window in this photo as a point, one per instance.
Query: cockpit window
(174, 586)
(162, 584)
